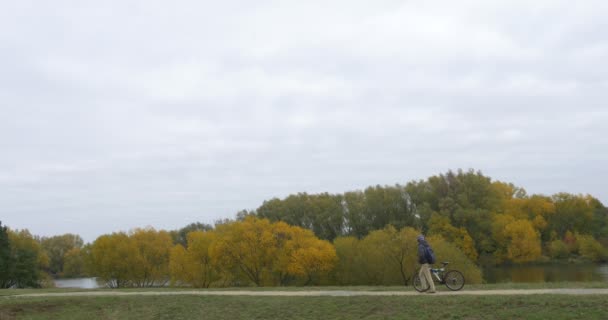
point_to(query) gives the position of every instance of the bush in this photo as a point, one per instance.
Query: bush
(558, 249)
(589, 248)
(446, 251)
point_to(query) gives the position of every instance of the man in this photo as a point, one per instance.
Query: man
(425, 268)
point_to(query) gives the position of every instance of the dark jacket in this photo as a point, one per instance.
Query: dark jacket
(421, 256)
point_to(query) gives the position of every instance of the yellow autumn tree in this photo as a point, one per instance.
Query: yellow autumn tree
(178, 266)
(536, 209)
(110, 259)
(150, 264)
(524, 241)
(249, 246)
(271, 253)
(283, 234)
(440, 225)
(500, 221)
(308, 256)
(140, 258)
(194, 265)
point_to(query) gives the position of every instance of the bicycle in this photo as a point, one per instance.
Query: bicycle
(453, 279)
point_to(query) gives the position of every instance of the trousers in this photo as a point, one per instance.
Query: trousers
(425, 276)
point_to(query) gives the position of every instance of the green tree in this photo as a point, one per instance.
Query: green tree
(439, 225)
(467, 199)
(572, 212)
(73, 263)
(25, 261)
(56, 247)
(6, 266)
(558, 249)
(589, 248)
(348, 269)
(399, 250)
(322, 213)
(181, 236)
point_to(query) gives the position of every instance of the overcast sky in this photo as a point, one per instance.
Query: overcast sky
(123, 114)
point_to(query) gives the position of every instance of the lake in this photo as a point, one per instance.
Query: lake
(82, 283)
(547, 273)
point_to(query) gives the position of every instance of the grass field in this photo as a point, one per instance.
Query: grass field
(422, 306)
(368, 307)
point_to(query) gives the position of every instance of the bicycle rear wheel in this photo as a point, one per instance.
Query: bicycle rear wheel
(454, 280)
(417, 282)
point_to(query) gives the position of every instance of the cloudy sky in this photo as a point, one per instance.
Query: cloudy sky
(122, 114)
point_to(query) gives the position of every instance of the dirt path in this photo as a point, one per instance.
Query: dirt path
(331, 293)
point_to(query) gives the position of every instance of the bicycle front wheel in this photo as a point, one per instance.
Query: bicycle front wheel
(418, 284)
(454, 280)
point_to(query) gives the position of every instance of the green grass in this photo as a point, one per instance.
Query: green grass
(370, 307)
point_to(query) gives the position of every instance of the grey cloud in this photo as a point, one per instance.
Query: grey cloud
(117, 115)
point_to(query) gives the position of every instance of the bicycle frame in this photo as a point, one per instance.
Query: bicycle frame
(436, 272)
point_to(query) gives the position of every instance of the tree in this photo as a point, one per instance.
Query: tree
(356, 223)
(25, 261)
(6, 266)
(389, 205)
(524, 241)
(572, 212)
(589, 248)
(56, 247)
(398, 248)
(558, 249)
(193, 265)
(348, 268)
(516, 239)
(439, 225)
(111, 259)
(306, 255)
(247, 245)
(446, 251)
(150, 264)
(468, 199)
(181, 236)
(73, 263)
(322, 213)
(270, 253)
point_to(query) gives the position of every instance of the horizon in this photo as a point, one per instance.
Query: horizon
(234, 215)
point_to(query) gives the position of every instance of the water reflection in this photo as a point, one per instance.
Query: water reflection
(546, 273)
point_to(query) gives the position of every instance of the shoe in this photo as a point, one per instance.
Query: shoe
(432, 292)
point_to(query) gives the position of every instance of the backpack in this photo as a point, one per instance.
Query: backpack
(429, 255)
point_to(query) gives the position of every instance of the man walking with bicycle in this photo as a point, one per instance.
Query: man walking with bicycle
(426, 257)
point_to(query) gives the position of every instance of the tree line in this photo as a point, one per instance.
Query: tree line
(360, 237)
(249, 251)
(493, 222)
